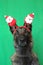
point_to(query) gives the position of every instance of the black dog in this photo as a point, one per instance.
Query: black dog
(23, 45)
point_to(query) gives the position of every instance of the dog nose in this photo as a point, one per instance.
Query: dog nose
(21, 39)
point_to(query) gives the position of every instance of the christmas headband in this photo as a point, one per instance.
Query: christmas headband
(12, 22)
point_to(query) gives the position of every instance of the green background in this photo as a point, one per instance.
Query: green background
(19, 10)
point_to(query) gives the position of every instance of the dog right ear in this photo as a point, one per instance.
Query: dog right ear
(28, 21)
(11, 22)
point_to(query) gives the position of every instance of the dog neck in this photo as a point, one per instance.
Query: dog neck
(23, 51)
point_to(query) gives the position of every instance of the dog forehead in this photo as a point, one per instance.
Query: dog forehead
(21, 30)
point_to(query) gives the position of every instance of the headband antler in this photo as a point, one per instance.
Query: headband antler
(13, 26)
(29, 18)
(10, 20)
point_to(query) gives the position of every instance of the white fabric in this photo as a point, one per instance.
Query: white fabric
(28, 19)
(9, 19)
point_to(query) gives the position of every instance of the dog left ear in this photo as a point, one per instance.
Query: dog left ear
(11, 22)
(28, 21)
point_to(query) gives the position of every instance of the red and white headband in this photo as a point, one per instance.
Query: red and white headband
(11, 21)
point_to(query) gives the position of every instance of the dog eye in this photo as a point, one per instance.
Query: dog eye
(26, 33)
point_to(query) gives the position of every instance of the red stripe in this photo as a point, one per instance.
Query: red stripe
(12, 23)
(31, 15)
(6, 17)
(21, 27)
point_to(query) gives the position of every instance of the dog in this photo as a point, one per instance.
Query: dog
(23, 46)
(22, 41)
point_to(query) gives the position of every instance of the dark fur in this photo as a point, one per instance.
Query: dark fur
(23, 45)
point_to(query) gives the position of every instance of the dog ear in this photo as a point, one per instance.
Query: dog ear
(28, 21)
(11, 22)
(13, 28)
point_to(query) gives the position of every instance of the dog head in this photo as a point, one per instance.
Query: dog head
(22, 34)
